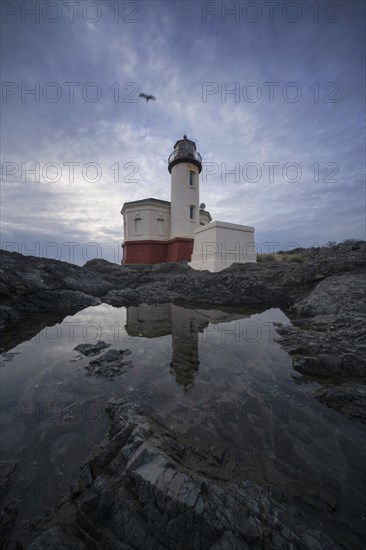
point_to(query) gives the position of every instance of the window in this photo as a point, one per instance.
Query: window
(191, 178)
(191, 212)
(160, 226)
(138, 226)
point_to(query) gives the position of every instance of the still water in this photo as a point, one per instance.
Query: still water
(213, 376)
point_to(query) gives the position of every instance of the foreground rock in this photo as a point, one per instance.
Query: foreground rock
(329, 344)
(9, 512)
(92, 349)
(111, 364)
(145, 489)
(31, 285)
(350, 399)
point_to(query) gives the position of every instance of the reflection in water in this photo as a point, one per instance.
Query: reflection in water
(214, 377)
(27, 328)
(153, 321)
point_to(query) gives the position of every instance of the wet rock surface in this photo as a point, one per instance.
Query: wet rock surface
(143, 488)
(29, 284)
(329, 344)
(92, 349)
(349, 398)
(9, 512)
(111, 364)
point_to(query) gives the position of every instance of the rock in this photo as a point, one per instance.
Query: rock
(8, 357)
(323, 365)
(91, 349)
(338, 294)
(348, 398)
(146, 498)
(7, 468)
(57, 538)
(118, 298)
(110, 364)
(327, 345)
(330, 342)
(154, 293)
(8, 515)
(9, 507)
(308, 365)
(29, 284)
(76, 489)
(298, 379)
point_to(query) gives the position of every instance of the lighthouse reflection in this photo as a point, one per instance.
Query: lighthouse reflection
(185, 325)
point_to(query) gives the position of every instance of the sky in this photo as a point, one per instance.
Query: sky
(273, 93)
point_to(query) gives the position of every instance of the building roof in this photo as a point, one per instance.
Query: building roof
(142, 202)
(184, 139)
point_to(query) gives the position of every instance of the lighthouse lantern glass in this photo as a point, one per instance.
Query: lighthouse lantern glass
(185, 146)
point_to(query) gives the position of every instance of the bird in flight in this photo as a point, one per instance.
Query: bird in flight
(147, 97)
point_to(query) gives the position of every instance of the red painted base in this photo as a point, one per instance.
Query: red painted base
(153, 252)
(179, 249)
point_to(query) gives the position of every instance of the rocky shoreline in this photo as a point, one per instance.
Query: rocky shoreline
(329, 341)
(162, 486)
(145, 489)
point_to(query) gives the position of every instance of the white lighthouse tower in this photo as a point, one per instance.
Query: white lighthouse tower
(161, 231)
(184, 165)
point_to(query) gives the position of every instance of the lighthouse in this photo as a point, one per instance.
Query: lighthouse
(161, 231)
(182, 230)
(184, 165)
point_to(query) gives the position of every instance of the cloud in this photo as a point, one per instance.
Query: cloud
(171, 53)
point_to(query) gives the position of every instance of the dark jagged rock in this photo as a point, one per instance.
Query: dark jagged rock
(330, 342)
(9, 512)
(334, 295)
(136, 491)
(29, 284)
(349, 398)
(92, 349)
(110, 364)
(152, 293)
